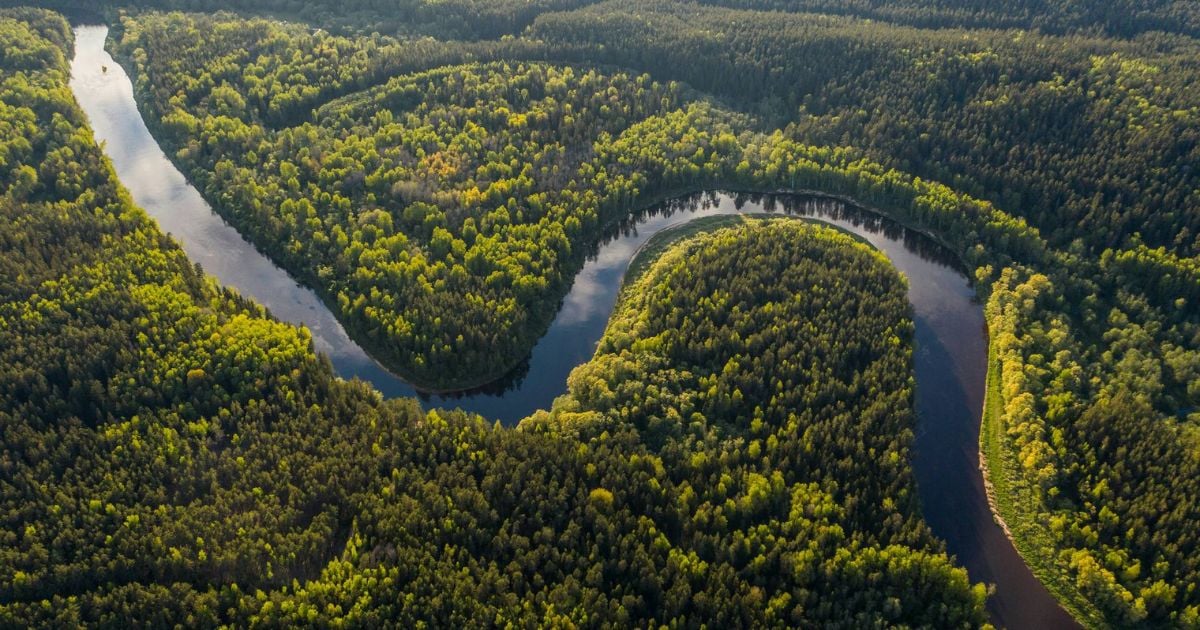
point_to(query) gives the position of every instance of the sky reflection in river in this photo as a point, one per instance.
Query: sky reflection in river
(951, 344)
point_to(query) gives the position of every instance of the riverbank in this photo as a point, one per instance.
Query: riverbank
(1013, 504)
(541, 314)
(660, 242)
(951, 342)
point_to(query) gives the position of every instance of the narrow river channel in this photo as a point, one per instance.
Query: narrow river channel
(951, 341)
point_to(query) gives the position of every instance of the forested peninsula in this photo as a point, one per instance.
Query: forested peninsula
(737, 450)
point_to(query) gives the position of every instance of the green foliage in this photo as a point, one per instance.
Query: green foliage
(1090, 443)
(441, 197)
(1082, 136)
(155, 428)
(471, 19)
(1118, 17)
(447, 19)
(765, 368)
(436, 211)
(442, 213)
(173, 456)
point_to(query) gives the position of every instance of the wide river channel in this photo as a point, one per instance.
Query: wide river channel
(951, 339)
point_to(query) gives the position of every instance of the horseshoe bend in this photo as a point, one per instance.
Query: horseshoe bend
(608, 314)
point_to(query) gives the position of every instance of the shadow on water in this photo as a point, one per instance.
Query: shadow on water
(951, 344)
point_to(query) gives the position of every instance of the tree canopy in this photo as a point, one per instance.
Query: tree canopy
(174, 456)
(440, 195)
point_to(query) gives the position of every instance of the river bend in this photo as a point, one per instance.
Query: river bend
(950, 357)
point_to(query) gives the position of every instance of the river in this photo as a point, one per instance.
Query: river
(951, 340)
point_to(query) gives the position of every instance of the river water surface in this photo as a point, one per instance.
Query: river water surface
(951, 341)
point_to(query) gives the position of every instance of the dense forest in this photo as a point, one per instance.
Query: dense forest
(1091, 302)
(172, 455)
(437, 211)
(490, 19)
(441, 195)
(1082, 136)
(445, 19)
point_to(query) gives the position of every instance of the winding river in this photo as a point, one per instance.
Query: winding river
(951, 341)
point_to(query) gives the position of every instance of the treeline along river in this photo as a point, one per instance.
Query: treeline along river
(951, 340)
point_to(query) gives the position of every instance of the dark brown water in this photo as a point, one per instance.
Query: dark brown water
(951, 343)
